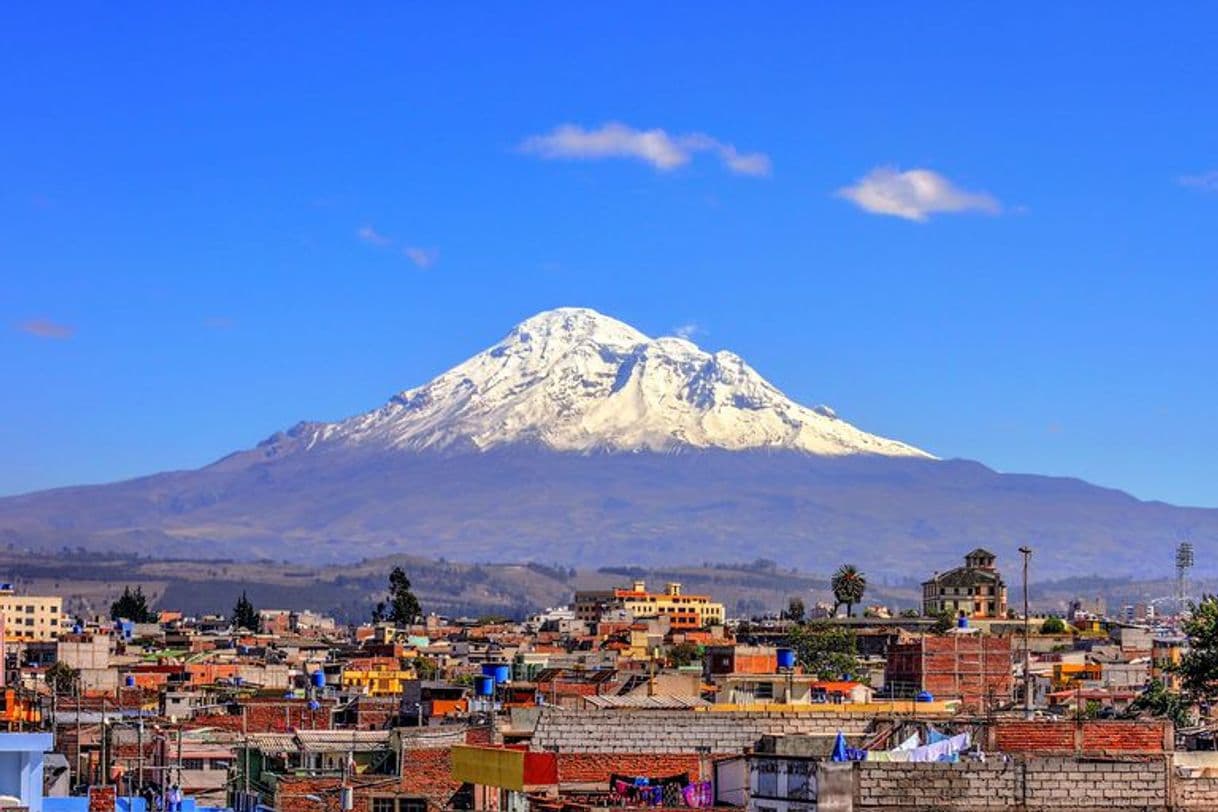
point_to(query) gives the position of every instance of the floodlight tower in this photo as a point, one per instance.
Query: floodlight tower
(1184, 562)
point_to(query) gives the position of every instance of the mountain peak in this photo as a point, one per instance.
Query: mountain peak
(573, 379)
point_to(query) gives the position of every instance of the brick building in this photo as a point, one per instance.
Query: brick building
(973, 668)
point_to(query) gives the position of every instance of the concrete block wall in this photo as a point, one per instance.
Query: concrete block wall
(1195, 793)
(565, 730)
(978, 787)
(1036, 784)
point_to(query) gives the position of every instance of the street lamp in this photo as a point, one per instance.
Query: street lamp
(1026, 552)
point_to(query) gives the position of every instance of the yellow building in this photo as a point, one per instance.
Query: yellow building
(683, 611)
(377, 682)
(27, 617)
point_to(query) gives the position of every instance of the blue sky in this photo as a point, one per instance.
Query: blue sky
(986, 233)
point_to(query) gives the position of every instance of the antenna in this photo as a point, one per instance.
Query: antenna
(1184, 562)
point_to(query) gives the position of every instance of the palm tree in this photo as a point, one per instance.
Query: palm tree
(848, 587)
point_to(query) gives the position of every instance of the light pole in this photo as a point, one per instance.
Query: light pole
(1026, 552)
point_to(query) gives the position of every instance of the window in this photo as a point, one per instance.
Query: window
(192, 764)
(801, 781)
(395, 804)
(767, 779)
(765, 690)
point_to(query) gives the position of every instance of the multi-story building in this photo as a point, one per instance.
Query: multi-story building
(975, 590)
(683, 611)
(27, 617)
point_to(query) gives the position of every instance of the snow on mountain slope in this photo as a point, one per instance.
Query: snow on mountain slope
(572, 379)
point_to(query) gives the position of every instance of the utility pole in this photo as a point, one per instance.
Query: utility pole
(1026, 552)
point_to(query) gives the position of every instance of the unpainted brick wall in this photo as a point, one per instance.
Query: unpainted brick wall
(1018, 736)
(597, 767)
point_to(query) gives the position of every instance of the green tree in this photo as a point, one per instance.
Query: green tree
(1198, 668)
(825, 650)
(1053, 625)
(402, 607)
(1158, 701)
(425, 668)
(245, 616)
(848, 587)
(796, 610)
(943, 622)
(133, 606)
(685, 653)
(62, 677)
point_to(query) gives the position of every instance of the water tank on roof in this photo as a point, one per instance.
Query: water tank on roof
(319, 679)
(484, 685)
(500, 672)
(924, 696)
(314, 704)
(786, 658)
(129, 681)
(962, 622)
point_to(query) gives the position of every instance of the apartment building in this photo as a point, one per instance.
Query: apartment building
(28, 617)
(683, 611)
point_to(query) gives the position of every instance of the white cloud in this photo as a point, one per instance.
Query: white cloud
(656, 147)
(422, 257)
(1206, 181)
(687, 331)
(370, 235)
(914, 194)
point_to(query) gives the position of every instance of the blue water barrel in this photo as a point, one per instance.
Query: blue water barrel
(129, 681)
(238, 681)
(786, 658)
(314, 705)
(962, 622)
(500, 672)
(924, 696)
(319, 679)
(484, 685)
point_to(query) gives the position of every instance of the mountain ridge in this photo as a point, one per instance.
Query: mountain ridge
(411, 477)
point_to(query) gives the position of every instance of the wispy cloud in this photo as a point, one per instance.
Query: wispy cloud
(45, 328)
(914, 194)
(421, 257)
(1206, 181)
(370, 235)
(688, 330)
(663, 151)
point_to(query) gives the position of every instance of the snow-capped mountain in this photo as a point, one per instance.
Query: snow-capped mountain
(573, 379)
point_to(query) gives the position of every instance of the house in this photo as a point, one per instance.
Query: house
(975, 590)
